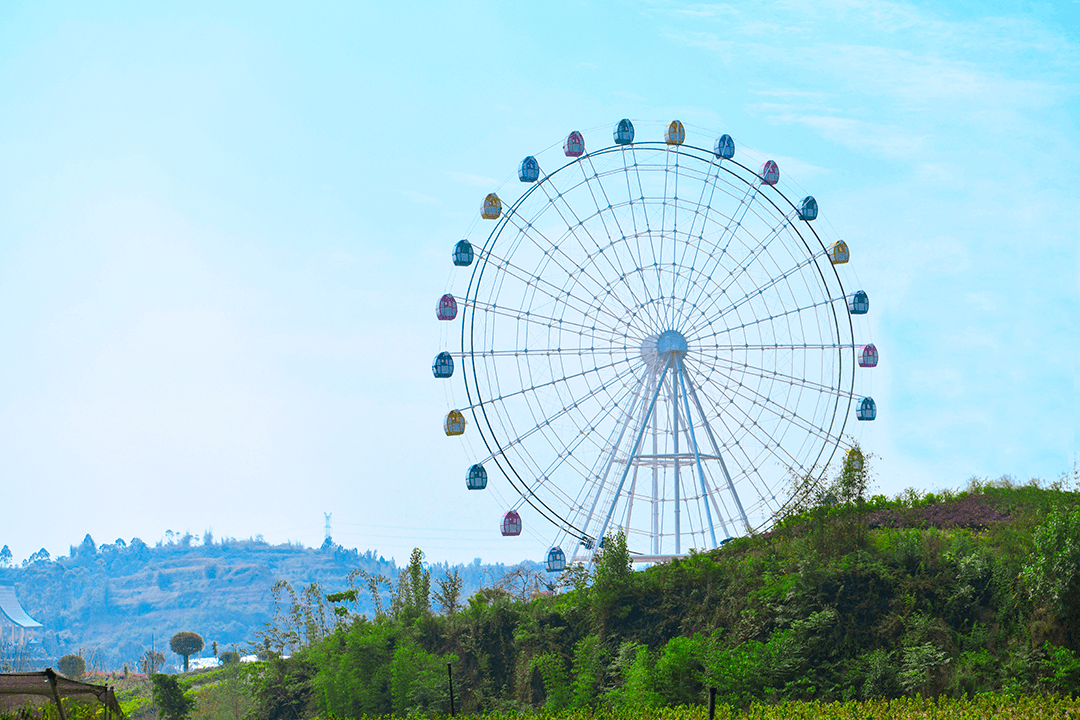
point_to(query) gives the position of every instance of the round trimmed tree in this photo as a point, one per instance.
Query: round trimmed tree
(186, 643)
(72, 666)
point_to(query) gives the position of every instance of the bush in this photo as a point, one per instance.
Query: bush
(72, 666)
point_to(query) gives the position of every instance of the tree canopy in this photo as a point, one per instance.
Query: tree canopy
(186, 643)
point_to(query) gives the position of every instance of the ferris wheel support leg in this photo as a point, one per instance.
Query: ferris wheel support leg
(723, 465)
(611, 459)
(633, 451)
(655, 487)
(675, 459)
(697, 456)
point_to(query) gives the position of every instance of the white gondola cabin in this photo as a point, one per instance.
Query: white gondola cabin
(724, 148)
(454, 423)
(529, 170)
(868, 356)
(476, 479)
(511, 524)
(770, 172)
(866, 409)
(556, 560)
(447, 307)
(463, 253)
(839, 253)
(675, 133)
(858, 303)
(574, 145)
(492, 207)
(624, 132)
(808, 208)
(443, 366)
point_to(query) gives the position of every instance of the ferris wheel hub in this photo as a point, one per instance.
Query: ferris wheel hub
(671, 344)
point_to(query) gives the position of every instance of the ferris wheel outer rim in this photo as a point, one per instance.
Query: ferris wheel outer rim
(469, 330)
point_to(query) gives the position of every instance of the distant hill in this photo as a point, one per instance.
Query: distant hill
(111, 602)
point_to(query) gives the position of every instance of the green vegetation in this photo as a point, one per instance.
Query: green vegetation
(848, 600)
(72, 666)
(107, 601)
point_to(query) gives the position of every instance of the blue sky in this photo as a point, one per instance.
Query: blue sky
(224, 231)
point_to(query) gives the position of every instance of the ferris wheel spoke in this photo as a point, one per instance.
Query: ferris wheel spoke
(736, 272)
(767, 374)
(780, 346)
(584, 434)
(550, 289)
(550, 383)
(702, 211)
(558, 202)
(551, 250)
(758, 290)
(772, 407)
(482, 404)
(607, 460)
(549, 352)
(600, 214)
(615, 218)
(547, 321)
(770, 318)
(728, 234)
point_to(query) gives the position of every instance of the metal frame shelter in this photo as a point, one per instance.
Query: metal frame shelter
(49, 685)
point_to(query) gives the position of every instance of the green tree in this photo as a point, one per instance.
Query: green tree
(72, 666)
(186, 643)
(151, 661)
(5, 557)
(413, 596)
(171, 700)
(449, 593)
(229, 657)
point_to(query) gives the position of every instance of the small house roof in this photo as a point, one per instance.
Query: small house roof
(12, 610)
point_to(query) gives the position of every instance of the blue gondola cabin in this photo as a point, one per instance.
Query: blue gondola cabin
(476, 479)
(574, 145)
(866, 409)
(770, 172)
(675, 134)
(454, 423)
(443, 366)
(492, 207)
(529, 170)
(808, 208)
(511, 524)
(724, 148)
(858, 303)
(556, 560)
(447, 307)
(868, 356)
(839, 253)
(463, 253)
(624, 132)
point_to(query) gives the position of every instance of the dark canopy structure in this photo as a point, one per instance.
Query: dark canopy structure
(48, 684)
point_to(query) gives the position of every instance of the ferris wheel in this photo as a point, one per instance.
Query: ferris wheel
(653, 339)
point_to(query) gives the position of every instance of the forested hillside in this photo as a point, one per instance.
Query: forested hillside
(849, 598)
(112, 601)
